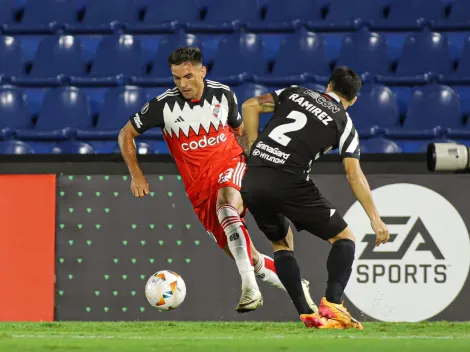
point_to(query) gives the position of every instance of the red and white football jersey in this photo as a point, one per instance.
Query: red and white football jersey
(197, 132)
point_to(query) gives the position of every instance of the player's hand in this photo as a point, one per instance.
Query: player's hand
(381, 231)
(140, 186)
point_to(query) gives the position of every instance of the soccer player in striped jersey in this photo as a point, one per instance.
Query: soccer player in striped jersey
(305, 125)
(204, 133)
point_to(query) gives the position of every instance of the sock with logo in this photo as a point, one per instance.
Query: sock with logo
(239, 243)
(339, 266)
(289, 274)
(265, 270)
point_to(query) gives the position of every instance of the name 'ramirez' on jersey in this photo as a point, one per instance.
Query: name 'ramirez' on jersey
(305, 125)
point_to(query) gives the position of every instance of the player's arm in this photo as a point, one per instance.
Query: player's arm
(236, 123)
(150, 116)
(350, 153)
(251, 110)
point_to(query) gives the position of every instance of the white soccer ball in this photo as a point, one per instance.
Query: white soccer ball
(165, 290)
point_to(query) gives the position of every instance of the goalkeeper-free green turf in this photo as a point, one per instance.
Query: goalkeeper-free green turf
(225, 337)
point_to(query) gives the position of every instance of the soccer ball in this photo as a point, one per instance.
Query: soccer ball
(165, 290)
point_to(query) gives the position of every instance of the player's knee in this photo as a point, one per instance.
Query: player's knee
(346, 234)
(229, 196)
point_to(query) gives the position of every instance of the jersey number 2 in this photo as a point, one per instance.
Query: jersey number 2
(279, 133)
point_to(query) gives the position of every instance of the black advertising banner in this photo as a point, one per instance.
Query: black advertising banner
(109, 243)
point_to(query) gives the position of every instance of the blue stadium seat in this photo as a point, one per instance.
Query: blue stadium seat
(8, 9)
(168, 16)
(459, 18)
(301, 55)
(365, 52)
(348, 14)
(11, 57)
(57, 58)
(376, 109)
(160, 72)
(69, 147)
(119, 104)
(63, 110)
(286, 15)
(462, 75)
(247, 91)
(226, 16)
(142, 148)
(45, 16)
(118, 58)
(239, 56)
(14, 113)
(379, 146)
(15, 147)
(432, 109)
(410, 15)
(413, 68)
(106, 15)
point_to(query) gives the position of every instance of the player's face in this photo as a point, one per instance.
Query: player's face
(189, 78)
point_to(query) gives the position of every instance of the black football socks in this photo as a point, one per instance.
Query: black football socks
(289, 273)
(339, 266)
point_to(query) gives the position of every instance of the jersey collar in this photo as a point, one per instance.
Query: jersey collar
(204, 90)
(334, 96)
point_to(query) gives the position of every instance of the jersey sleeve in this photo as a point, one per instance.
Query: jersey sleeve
(234, 118)
(150, 116)
(281, 94)
(348, 143)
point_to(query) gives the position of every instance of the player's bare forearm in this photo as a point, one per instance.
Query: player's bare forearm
(361, 189)
(251, 110)
(128, 151)
(242, 139)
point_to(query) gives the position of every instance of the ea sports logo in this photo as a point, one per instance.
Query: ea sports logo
(424, 266)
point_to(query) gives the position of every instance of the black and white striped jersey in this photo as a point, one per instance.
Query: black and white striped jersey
(305, 125)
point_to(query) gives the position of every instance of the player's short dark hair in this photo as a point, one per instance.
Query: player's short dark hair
(185, 54)
(345, 82)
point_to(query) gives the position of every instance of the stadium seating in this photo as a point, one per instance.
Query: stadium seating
(159, 17)
(375, 110)
(44, 16)
(116, 57)
(238, 57)
(105, 16)
(431, 109)
(411, 14)
(226, 16)
(434, 47)
(56, 58)
(160, 73)
(63, 110)
(365, 52)
(11, 57)
(14, 112)
(380, 145)
(7, 11)
(72, 74)
(119, 104)
(68, 147)
(282, 15)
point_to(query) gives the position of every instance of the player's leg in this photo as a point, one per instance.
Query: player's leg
(239, 244)
(339, 266)
(276, 228)
(315, 214)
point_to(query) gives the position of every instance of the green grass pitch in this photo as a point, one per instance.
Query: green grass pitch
(225, 337)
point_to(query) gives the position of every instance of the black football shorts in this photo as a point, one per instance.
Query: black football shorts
(273, 196)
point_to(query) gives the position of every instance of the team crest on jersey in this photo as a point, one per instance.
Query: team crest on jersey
(217, 110)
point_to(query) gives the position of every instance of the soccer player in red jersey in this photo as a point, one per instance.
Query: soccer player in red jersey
(204, 133)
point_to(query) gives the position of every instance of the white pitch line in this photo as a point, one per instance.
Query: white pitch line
(208, 338)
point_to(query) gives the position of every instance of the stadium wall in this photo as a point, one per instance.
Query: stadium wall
(76, 218)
